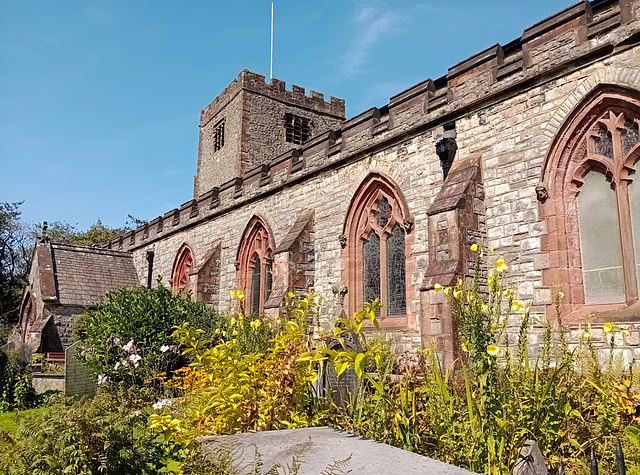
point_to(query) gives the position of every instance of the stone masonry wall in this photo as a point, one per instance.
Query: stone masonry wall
(266, 126)
(215, 168)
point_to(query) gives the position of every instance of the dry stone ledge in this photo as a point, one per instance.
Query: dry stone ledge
(319, 447)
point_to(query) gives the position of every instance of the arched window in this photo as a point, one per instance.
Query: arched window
(376, 247)
(255, 262)
(182, 268)
(28, 314)
(594, 200)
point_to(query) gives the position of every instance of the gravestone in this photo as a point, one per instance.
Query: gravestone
(78, 381)
(530, 461)
(23, 352)
(343, 389)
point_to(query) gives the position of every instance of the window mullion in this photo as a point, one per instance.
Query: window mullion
(626, 239)
(383, 274)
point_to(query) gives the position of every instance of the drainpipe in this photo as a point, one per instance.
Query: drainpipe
(150, 254)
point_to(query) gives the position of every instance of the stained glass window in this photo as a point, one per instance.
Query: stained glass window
(600, 241)
(371, 261)
(268, 276)
(396, 279)
(383, 213)
(630, 135)
(255, 287)
(603, 143)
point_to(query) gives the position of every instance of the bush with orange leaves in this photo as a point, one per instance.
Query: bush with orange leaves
(226, 390)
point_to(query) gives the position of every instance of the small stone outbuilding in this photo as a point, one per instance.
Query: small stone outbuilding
(62, 282)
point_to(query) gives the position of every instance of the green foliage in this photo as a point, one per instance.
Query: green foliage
(97, 234)
(143, 319)
(16, 386)
(24, 393)
(241, 381)
(104, 435)
(14, 260)
(479, 413)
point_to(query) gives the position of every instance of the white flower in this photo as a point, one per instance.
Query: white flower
(164, 348)
(129, 347)
(163, 402)
(117, 365)
(135, 359)
(102, 379)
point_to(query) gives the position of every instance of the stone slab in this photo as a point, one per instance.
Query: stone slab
(319, 447)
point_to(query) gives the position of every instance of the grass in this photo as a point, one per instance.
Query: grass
(9, 419)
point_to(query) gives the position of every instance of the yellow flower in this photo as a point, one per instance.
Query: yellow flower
(447, 290)
(217, 331)
(474, 247)
(459, 282)
(232, 294)
(507, 293)
(485, 308)
(587, 334)
(426, 352)
(608, 327)
(235, 332)
(291, 295)
(491, 281)
(561, 294)
(457, 294)
(464, 347)
(240, 294)
(437, 287)
(517, 305)
(233, 321)
(492, 350)
(255, 324)
(627, 383)
(501, 266)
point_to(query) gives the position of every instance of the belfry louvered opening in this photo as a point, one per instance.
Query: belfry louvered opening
(297, 129)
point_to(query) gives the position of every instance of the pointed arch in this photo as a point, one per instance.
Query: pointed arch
(376, 243)
(598, 143)
(254, 263)
(182, 267)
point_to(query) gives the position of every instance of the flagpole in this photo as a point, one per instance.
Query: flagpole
(271, 67)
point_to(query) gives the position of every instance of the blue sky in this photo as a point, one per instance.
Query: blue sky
(100, 100)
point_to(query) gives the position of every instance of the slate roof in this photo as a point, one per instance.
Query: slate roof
(84, 275)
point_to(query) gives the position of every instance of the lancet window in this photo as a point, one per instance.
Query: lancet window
(376, 245)
(255, 265)
(182, 269)
(595, 201)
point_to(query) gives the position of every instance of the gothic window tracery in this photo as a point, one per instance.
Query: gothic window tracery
(255, 265)
(182, 269)
(595, 201)
(604, 209)
(376, 229)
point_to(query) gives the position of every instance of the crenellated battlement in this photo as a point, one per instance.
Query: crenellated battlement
(277, 90)
(568, 41)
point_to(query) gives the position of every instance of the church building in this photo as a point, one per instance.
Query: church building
(529, 148)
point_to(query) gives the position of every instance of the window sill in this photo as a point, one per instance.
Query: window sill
(603, 313)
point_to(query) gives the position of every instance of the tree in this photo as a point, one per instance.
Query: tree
(97, 234)
(15, 249)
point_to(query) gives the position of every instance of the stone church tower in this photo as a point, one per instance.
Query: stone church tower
(252, 122)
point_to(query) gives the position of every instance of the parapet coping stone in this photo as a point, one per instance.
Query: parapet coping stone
(318, 447)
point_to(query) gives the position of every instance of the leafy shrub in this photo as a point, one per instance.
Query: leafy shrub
(479, 413)
(104, 435)
(131, 327)
(242, 381)
(16, 385)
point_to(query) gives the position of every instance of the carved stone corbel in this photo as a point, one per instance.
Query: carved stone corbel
(541, 193)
